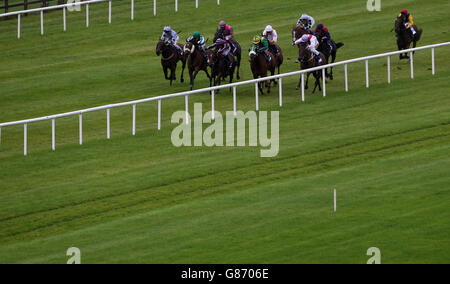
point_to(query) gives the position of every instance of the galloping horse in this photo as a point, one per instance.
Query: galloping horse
(297, 32)
(196, 62)
(169, 59)
(259, 66)
(329, 51)
(404, 37)
(220, 69)
(279, 58)
(237, 52)
(308, 60)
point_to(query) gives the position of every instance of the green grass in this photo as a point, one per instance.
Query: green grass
(141, 200)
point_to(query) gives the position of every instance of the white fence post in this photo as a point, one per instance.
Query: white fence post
(0, 136)
(212, 105)
(412, 64)
(42, 22)
(132, 10)
(256, 96)
(25, 139)
(432, 61)
(154, 7)
(64, 19)
(109, 11)
(53, 135)
(346, 77)
(324, 83)
(303, 87)
(108, 124)
(367, 73)
(186, 102)
(176, 5)
(80, 121)
(234, 101)
(389, 69)
(134, 120)
(196, 3)
(18, 25)
(218, 2)
(159, 114)
(87, 15)
(334, 200)
(280, 90)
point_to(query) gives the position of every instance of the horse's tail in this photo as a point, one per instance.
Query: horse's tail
(339, 45)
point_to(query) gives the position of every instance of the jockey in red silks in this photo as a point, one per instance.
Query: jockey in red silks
(228, 33)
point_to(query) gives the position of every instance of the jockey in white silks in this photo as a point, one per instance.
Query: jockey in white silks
(172, 37)
(271, 35)
(307, 21)
(313, 44)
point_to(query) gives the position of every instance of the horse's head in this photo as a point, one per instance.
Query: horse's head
(189, 48)
(303, 52)
(399, 25)
(297, 32)
(252, 54)
(159, 47)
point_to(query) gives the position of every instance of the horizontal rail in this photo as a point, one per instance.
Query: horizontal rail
(54, 7)
(207, 90)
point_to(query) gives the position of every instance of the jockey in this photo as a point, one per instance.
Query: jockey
(271, 35)
(307, 22)
(313, 43)
(227, 32)
(322, 34)
(261, 45)
(408, 20)
(199, 41)
(223, 47)
(172, 37)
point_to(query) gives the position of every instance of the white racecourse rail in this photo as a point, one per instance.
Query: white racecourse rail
(76, 4)
(212, 90)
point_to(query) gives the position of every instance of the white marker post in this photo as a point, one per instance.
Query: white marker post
(335, 207)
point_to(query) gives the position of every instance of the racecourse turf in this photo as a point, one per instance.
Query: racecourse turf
(141, 200)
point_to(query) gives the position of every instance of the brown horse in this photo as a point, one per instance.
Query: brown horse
(308, 60)
(169, 59)
(237, 52)
(260, 66)
(405, 37)
(297, 32)
(220, 69)
(196, 62)
(278, 57)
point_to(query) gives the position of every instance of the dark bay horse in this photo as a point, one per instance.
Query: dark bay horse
(308, 60)
(220, 69)
(328, 49)
(260, 67)
(169, 60)
(278, 57)
(196, 62)
(297, 32)
(237, 52)
(405, 37)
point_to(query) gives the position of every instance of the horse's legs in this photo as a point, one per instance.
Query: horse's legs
(182, 71)
(333, 59)
(238, 76)
(317, 83)
(165, 72)
(307, 80)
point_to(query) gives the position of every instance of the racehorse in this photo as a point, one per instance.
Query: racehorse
(220, 69)
(308, 60)
(196, 62)
(169, 59)
(237, 52)
(260, 66)
(329, 50)
(278, 57)
(404, 36)
(297, 32)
